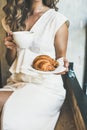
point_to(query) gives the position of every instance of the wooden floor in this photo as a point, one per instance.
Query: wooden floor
(66, 121)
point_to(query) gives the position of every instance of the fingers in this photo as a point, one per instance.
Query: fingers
(8, 38)
(66, 64)
(10, 45)
(8, 41)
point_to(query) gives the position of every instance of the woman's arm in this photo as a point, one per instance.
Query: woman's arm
(61, 40)
(10, 45)
(3, 97)
(11, 50)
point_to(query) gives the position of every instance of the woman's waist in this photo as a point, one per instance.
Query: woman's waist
(34, 77)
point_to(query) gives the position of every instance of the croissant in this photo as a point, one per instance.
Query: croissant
(44, 63)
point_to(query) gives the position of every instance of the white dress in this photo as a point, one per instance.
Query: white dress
(37, 98)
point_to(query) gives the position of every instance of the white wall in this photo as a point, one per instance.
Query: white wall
(76, 11)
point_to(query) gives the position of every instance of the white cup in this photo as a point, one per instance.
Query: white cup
(23, 39)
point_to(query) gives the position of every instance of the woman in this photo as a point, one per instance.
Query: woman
(35, 104)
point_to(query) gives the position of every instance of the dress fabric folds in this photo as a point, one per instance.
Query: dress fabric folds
(37, 98)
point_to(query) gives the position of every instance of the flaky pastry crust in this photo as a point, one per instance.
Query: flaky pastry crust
(45, 63)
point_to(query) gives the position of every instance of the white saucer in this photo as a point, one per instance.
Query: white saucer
(59, 69)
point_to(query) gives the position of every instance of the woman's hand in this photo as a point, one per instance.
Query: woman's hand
(11, 52)
(66, 65)
(8, 41)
